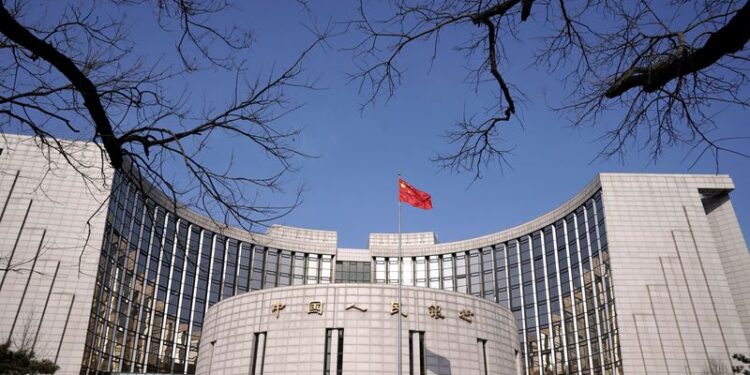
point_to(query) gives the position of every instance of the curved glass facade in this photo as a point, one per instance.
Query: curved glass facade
(556, 280)
(159, 273)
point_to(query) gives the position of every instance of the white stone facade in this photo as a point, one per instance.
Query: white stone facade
(680, 274)
(295, 339)
(51, 228)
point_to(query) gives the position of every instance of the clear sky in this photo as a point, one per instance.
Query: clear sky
(351, 186)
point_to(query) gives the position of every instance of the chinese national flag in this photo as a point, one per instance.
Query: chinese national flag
(409, 194)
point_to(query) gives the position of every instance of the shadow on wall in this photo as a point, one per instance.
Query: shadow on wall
(436, 364)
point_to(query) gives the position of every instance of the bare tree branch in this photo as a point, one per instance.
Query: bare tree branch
(728, 40)
(24, 38)
(77, 74)
(660, 66)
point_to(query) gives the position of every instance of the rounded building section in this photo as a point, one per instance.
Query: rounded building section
(161, 269)
(353, 328)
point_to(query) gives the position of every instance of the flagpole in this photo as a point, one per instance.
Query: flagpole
(400, 276)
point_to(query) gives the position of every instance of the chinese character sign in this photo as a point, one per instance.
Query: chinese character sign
(396, 308)
(436, 312)
(356, 307)
(315, 307)
(276, 308)
(466, 315)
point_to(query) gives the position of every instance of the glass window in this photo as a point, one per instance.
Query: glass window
(191, 266)
(217, 270)
(312, 269)
(475, 287)
(448, 272)
(259, 260)
(461, 272)
(549, 249)
(525, 260)
(299, 269)
(340, 271)
(501, 274)
(530, 317)
(328, 349)
(285, 268)
(203, 272)
(338, 335)
(352, 272)
(572, 238)
(582, 232)
(392, 270)
(259, 351)
(363, 272)
(600, 220)
(325, 268)
(487, 259)
(515, 297)
(272, 262)
(243, 276)
(513, 267)
(420, 272)
(592, 228)
(340, 353)
(380, 271)
(488, 274)
(408, 271)
(562, 251)
(434, 271)
(230, 270)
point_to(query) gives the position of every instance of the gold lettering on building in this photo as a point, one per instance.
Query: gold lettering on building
(315, 307)
(354, 306)
(276, 308)
(436, 312)
(395, 309)
(466, 315)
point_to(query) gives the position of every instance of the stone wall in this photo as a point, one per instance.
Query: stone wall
(295, 341)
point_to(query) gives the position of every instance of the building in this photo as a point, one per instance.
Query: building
(352, 328)
(636, 274)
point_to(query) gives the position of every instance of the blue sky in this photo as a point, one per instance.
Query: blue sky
(350, 187)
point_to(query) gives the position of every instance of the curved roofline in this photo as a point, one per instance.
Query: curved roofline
(423, 243)
(386, 249)
(287, 238)
(387, 244)
(380, 244)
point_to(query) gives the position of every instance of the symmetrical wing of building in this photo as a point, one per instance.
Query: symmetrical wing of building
(636, 274)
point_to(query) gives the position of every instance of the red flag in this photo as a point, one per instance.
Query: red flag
(409, 194)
